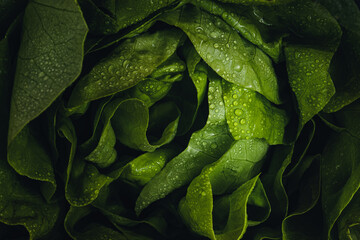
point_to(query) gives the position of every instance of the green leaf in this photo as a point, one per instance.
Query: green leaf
(49, 60)
(340, 178)
(158, 84)
(90, 231)
(21, 203)
(258, 205)
(232, 57)
(250, 115)
(309, 79)
(347, 118)
(131, 121)
(143, 168)
(300, 224)
(30, 158)
(273, 182)
(205, 145)
(197, 71)
(83, 179)
(114, 207)
(199, 217)
(238, 165)
(349, 220)
(310, 24)
(235, 17)
(132, 61)
(104, 154)
(344, 68)
(110, 18)
(21, 199)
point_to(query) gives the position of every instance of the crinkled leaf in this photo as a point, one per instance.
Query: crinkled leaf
(132, 119)
(231, 56)
(199, 217)
(159, 83)
(132, 61)
(189, 93)
(236, 19)
(205, 145)
(83, 179)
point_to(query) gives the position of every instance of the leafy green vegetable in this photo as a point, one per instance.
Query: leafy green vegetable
(49, 59)
(205, 145)
(179, 119)
(236, 60)
(130, 62)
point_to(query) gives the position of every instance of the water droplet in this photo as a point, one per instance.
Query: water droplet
(238, 112)
(242, 121)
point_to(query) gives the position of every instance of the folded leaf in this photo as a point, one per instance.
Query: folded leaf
(131, 119)
(199, 217)
(205, 145)
(143, 168)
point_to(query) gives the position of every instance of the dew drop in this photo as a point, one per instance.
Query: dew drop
(238, 112)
